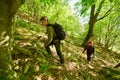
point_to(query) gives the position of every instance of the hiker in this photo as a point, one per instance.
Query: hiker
(89, 48)
(51, 38)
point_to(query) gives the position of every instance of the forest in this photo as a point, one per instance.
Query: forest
(24, 40)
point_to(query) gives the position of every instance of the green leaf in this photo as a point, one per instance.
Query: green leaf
(111, 1)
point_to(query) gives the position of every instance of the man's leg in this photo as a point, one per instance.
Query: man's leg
(48, 47)
(57, 46)
(88, 56)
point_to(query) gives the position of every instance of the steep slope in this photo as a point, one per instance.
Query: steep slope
(33, 63)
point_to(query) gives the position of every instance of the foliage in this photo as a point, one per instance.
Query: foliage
(31, 60)
(107, 33)
(61, 14)
(83, 6)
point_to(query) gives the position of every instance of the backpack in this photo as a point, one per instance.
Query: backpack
(60, 33)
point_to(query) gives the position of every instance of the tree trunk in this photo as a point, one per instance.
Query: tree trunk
(8, 8)
(89, 34)
(92, 22)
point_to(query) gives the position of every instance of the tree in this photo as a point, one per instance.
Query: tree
(95, 15)
(8, 8)
(94, 18)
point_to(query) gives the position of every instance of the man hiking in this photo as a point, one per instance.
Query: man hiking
(51, 38)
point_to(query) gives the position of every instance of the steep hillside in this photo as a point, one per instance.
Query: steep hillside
(33, 63)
